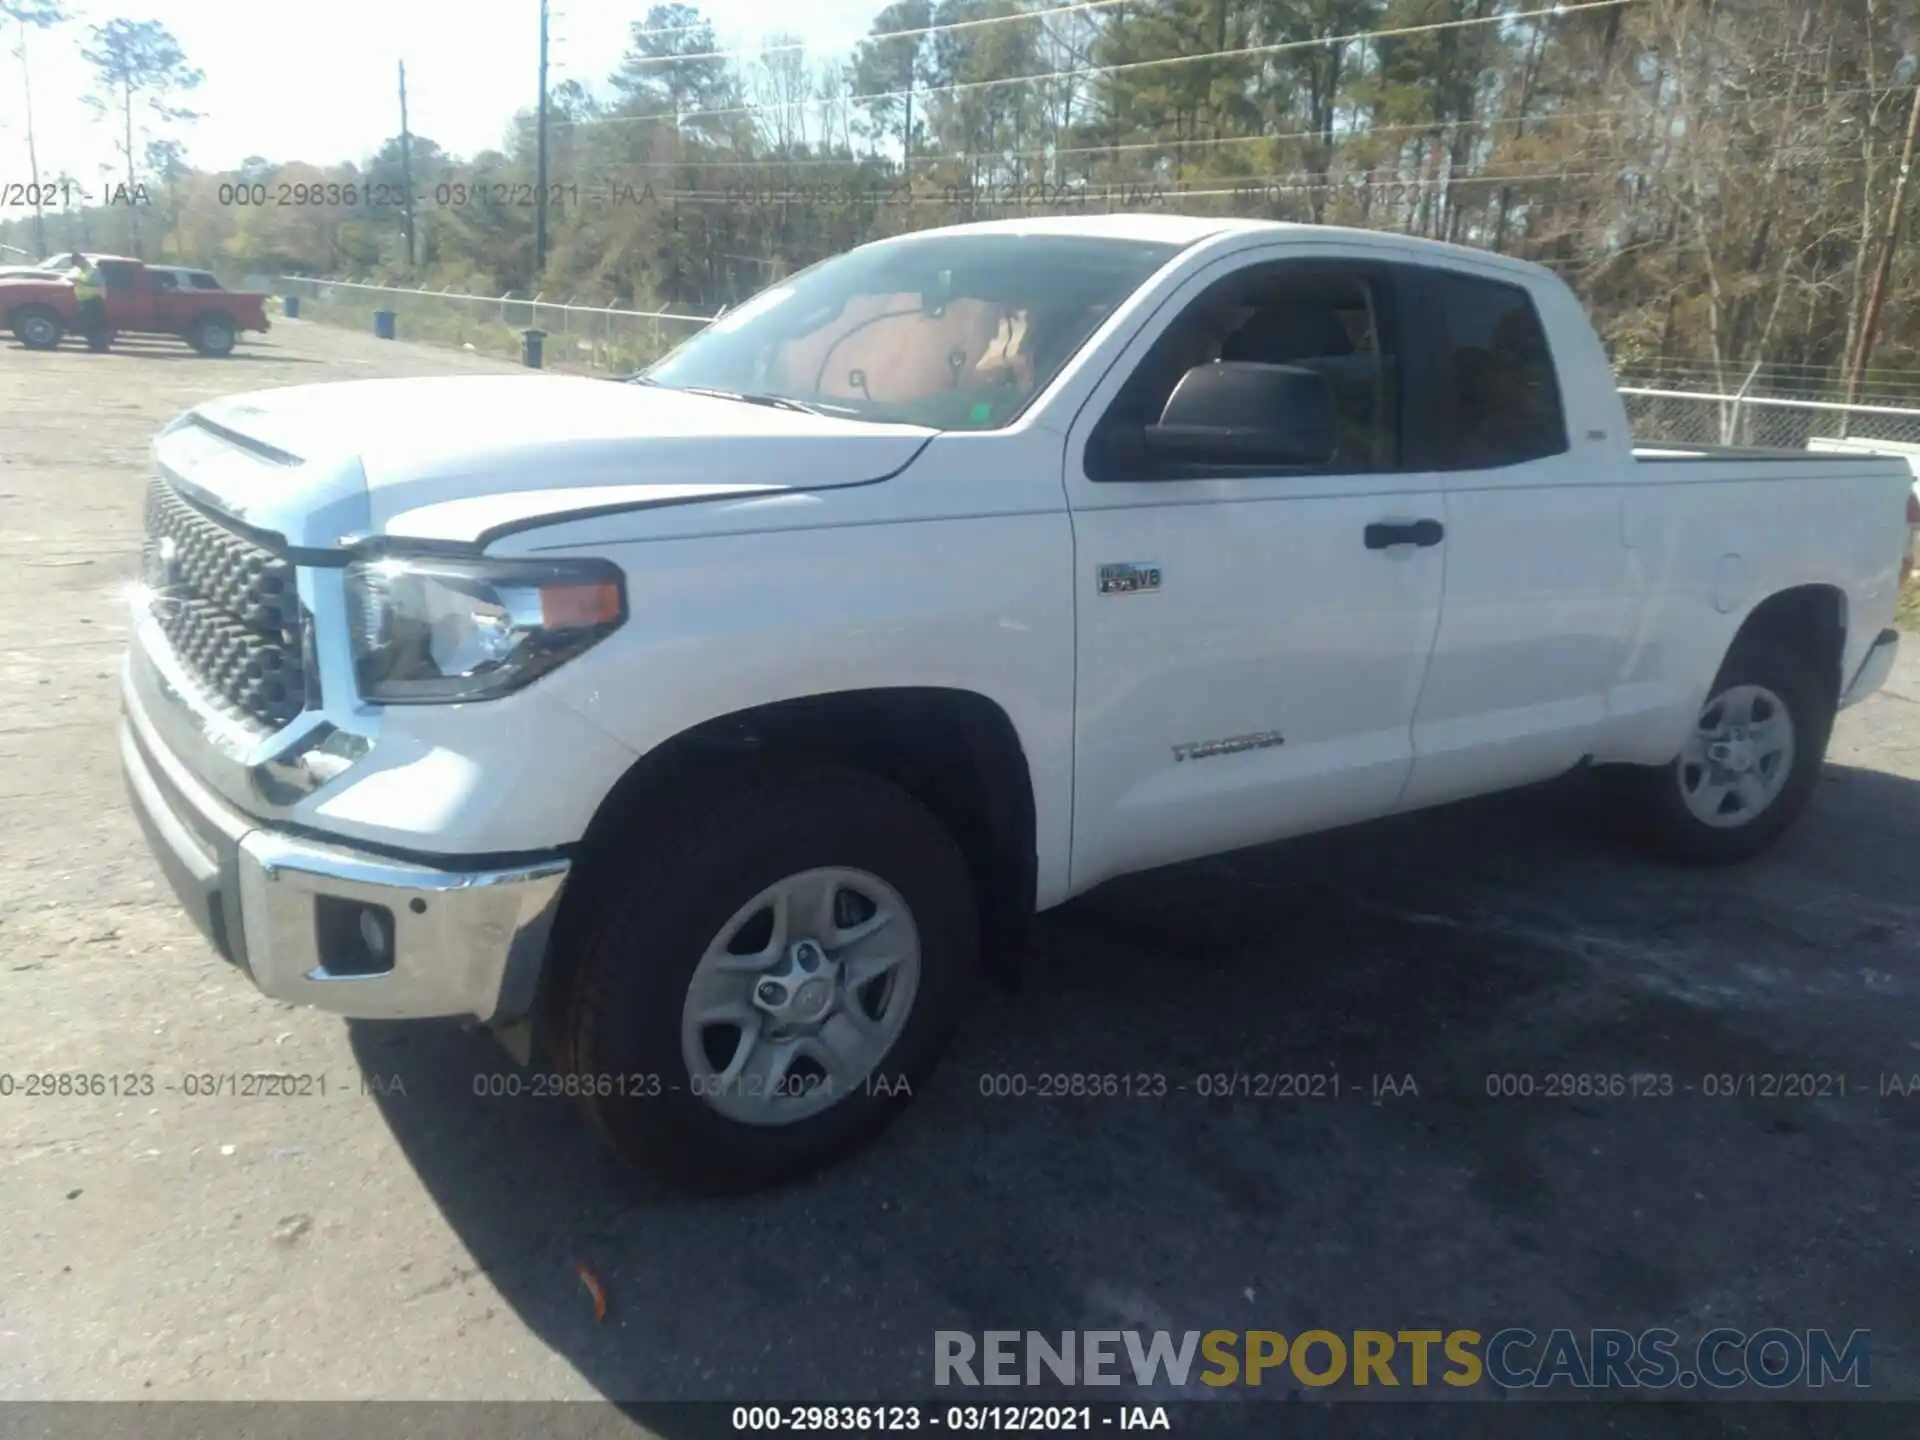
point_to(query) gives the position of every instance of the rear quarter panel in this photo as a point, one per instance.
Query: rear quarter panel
(247, 310)
(1712, 539)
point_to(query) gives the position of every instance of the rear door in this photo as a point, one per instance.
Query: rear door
(1536, 641)
(170, 306)
(1251, 641)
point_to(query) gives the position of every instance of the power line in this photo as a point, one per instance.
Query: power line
(1279, 47)
(1629, 167)
(1130, 191)
(1161, 145)
(1238, 187)
(754, 52)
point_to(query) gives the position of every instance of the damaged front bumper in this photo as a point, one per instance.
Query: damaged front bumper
(341, 928)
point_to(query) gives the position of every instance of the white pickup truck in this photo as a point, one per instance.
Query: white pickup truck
(710, 733)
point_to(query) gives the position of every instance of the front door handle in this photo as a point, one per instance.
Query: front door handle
(1382, 534)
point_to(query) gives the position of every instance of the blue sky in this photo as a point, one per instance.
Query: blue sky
(314, 79)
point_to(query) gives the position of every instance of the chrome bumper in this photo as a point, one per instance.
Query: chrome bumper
(464, 942)
(1873, 670)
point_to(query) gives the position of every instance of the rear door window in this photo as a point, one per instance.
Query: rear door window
(1498, 393)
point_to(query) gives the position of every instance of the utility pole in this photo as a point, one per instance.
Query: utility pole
(406, 165)
(1889, 243)
(33, 153)
(540, 163)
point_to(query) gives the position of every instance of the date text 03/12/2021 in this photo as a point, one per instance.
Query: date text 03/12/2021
(954, 1419)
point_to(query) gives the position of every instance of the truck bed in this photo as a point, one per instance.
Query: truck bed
(1655, 453)
(1683, 464)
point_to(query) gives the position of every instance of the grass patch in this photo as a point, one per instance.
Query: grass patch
(609, 345)
(1907, 614)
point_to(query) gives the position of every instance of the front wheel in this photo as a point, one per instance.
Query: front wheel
(1747, 769)
(38, 328)
(776, 965)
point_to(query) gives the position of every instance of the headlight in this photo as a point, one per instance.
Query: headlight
(431, 631)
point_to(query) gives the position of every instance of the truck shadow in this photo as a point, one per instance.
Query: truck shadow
(1312, 1039)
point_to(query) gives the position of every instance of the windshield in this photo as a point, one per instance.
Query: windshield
(954, 332)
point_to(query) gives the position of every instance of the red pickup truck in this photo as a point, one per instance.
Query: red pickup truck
(138, 300)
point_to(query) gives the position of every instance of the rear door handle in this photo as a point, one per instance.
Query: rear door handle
(1385, 533)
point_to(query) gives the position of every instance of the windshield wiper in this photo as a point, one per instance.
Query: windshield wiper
(772, 402)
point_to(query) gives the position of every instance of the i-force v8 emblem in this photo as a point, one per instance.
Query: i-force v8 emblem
(1130, 578)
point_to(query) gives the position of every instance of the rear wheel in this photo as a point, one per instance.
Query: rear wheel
(213, 335)
(775, 966)
(37, 328)
(1746, 771)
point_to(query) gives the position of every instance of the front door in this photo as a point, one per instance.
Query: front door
(128, 300)
(1251, 641)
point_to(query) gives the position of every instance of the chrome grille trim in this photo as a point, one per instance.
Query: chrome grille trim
(230, 610)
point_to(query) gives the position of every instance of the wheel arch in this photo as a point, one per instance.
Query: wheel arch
(956, 751)
(31, 307)
(214, 316)
(1810, 621)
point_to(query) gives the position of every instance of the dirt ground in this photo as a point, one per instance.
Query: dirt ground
(400, 1237)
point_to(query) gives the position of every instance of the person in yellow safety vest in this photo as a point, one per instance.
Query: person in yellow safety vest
(92, 295)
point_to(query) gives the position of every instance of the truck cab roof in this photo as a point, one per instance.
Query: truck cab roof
(1190, 230)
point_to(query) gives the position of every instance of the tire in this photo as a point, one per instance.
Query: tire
(214, 336)
(1653, 805)
(37, 328)
(693, 875)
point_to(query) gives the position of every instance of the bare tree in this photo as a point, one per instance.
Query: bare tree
(1066, 49)
(138, 61)
(783, 85)
(833, 91)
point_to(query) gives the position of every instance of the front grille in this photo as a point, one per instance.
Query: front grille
(229, 607)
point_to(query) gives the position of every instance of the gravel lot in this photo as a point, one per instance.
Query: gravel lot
(423, 1245)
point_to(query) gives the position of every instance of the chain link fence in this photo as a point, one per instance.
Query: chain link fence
(1681, 417)
(575, 337)
(1894, 386)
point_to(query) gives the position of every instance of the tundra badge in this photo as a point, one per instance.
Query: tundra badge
(1206, 748)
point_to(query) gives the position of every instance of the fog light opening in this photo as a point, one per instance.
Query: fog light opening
(353, 938)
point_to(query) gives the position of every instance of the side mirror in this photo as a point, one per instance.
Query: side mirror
(1236, 413)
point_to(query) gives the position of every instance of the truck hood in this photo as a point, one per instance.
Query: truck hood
(463, 458)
